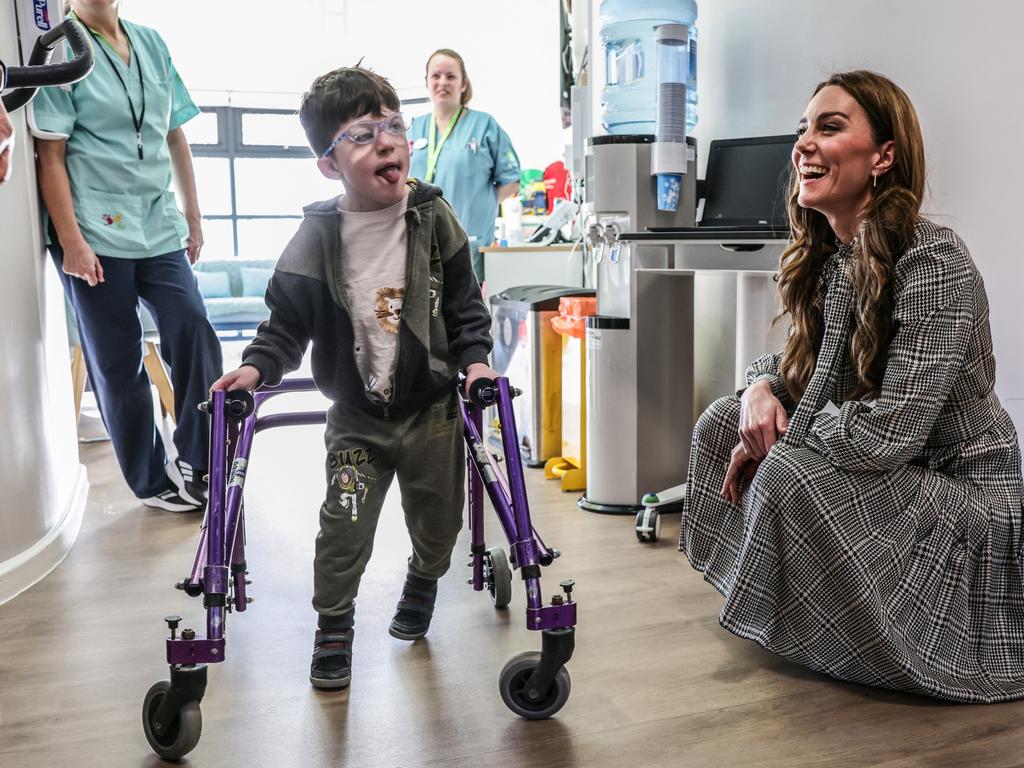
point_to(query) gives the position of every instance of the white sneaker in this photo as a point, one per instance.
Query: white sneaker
(192, 487)
(171, 501)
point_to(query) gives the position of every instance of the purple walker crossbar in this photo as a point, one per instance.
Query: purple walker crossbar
(533, 685)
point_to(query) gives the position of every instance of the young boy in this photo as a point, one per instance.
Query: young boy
(379, 279)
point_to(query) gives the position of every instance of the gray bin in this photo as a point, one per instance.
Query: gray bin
(529, 352)
(640, 393)
(611, 414)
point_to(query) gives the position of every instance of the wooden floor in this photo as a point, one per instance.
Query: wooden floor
(655, 680)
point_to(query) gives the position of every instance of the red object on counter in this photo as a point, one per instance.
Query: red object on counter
(556, 181)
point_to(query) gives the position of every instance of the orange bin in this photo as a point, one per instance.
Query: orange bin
(570, 323)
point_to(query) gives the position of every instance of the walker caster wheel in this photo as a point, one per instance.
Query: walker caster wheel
(512, 684)
(498, 577)
(182, 735)
(648, 524)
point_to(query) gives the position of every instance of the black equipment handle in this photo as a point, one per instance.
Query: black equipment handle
(483, 392)
(27, 80)
(239, 403)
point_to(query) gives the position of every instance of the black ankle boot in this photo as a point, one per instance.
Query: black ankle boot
(331, 667)
(415, 608)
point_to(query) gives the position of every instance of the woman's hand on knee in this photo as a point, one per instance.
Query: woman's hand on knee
(246, 377)
(763, 419)
(742, 467)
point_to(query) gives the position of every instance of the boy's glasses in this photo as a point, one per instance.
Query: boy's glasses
(364, 133)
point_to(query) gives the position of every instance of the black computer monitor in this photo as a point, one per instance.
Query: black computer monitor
(747, 182)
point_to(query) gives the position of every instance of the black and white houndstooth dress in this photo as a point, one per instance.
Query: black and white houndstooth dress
(881, 544)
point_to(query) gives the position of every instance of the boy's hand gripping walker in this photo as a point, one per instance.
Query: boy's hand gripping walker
(534, 685)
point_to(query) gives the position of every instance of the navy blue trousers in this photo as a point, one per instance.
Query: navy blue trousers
(110, 331)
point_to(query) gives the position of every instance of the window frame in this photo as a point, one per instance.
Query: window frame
(231, 146)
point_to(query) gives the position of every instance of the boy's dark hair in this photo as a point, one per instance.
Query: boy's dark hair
(339, 96)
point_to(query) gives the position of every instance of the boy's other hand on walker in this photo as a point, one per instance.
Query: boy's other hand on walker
(476, 371)
(246, 377)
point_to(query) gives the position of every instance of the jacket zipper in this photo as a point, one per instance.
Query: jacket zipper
(413, 218)
(410, 242)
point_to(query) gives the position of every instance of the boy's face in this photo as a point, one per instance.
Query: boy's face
(374, 174)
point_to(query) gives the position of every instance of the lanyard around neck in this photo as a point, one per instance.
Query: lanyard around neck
(136, 120)
(434, 151)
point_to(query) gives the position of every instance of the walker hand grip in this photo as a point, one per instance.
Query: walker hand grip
(39, 73)
(483, 392)
(239, 403)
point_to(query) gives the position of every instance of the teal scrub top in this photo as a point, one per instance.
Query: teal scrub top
(475, 160)
(124, 205)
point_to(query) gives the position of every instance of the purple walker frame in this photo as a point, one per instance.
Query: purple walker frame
(532, 685)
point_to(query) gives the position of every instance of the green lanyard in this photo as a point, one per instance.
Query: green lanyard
(432, 150)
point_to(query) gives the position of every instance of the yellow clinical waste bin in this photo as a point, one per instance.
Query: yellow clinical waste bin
(570, 324)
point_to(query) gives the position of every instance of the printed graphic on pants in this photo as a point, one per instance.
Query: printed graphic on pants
(442, 417)
(353, 485)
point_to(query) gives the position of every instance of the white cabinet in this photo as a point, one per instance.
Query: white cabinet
(532, 265)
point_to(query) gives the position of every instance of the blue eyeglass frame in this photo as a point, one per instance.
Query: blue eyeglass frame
(378, 126)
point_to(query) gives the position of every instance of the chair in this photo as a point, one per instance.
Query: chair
(152, 360)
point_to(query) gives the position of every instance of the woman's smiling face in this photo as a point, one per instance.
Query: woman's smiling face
(835, 155)
(444, 81)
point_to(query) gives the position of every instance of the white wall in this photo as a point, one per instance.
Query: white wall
(510, 49)
(961, 64)
(42, 483)
(511, 52)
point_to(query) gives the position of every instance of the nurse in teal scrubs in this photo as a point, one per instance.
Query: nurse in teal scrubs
(463, 151)
(109, 148)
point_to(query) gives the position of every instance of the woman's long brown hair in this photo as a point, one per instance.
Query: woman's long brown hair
(886, 230)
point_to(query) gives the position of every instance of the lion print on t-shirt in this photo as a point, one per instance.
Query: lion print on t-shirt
(389, 308)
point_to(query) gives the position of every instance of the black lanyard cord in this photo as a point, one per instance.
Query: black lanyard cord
(136, 121)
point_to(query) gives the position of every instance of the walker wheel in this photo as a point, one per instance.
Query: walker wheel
(648, 525)
(498, 577)
(512, 684)
(182, 735)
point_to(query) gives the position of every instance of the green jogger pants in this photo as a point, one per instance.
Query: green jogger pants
(425, 451)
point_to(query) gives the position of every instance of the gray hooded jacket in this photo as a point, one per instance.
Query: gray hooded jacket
(444, 324)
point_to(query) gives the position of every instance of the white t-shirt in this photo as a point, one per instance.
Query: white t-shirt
(373, 246)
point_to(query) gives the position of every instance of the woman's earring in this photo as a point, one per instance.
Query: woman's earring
(874, 180)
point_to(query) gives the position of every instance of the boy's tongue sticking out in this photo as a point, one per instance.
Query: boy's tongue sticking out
(390, 173)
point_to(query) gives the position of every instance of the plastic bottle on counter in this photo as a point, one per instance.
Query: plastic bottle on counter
(512, 213)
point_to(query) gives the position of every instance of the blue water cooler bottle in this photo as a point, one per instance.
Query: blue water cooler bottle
(627, 33)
